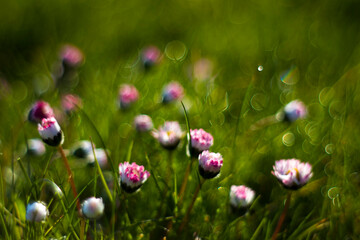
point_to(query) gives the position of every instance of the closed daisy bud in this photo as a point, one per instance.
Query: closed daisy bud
(70, 103)
(172, 92)
(292, 173)
(128, 95)
(169, 135)
(82, 149)
(35, 147)
(71, 56)
(143, 123)
(36, 212)
(294, 110)
(93, 208)
(200, 141)
(50, 132)
(132, 176)
(240, 198)
(39, 111)
(210, 164)
(101, 157)
(150, 56)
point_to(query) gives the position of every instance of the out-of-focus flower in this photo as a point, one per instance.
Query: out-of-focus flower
(203, 69)
(143, 123)
(39, 111)
(241, 196)
(200, 141)
(93, 208)
(294, 110)
(169, 135)
(70, 103)
(50, 191)
(132, 176)
(71, 56)
(210, 164)
(82, 149)
(128, 95)
(292, 173)
(35, 147)
(36, 212)
(150, 56)
(172, 92)
(50, 132)
(101, 157)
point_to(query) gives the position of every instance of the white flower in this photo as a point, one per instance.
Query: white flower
(93, 208)
(36, 212)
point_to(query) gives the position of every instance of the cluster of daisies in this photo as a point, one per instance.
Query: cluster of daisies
(291, 173)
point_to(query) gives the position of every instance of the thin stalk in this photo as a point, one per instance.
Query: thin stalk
(186, 218)
(282, 217)
(82, 229)
(71, 176)
(184, 182)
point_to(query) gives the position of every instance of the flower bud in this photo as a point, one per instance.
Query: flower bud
(36, 212)
(71, 56)
(82, 149)
(241, 197)
(50, 132)
(70, 103)
(210, 164)
(39, 111)
(200, 141)
(150, 56)
(93, 208)
(35, 147)
(128, 95)
(143, 123)
(132, 176)
(172, 92)
(294, 110)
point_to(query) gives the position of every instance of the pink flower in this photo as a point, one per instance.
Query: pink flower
(169, 135)
(292, 173)
(210, 164)
(172, 92)
(200, 141)
(50, 132)
(128, 94)
(70, 103)
(241, 196)
(143, 123)
(294, 110)
(71, 56)
(132, 176)
(150, 56)
(39, 111)
(93, 208)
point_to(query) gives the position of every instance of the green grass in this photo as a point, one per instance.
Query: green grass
(317, 41)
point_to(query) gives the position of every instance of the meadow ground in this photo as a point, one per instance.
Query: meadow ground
(239, 62)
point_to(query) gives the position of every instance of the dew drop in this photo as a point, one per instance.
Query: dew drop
(260, 68)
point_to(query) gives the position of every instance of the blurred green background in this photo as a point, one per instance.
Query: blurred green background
(309, 50)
